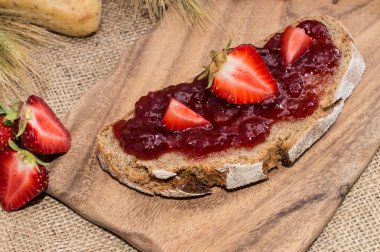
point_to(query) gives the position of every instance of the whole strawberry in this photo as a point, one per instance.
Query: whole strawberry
(39, 129)
(22, 177)
(6, 134)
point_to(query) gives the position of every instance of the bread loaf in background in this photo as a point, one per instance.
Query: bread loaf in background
(69, 17)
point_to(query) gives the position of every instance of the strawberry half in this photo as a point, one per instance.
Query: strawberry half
(180, 117)
(240, 76)
(22, 177)
(294, 43)
(40, 131)
(6, 134)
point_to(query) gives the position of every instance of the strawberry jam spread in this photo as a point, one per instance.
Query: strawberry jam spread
(300, 86)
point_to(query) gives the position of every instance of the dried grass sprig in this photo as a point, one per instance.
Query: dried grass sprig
(192, 11)
(18, 76)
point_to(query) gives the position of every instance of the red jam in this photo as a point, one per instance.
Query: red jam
(300, 86)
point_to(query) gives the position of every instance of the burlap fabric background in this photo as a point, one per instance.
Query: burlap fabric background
(68, 72)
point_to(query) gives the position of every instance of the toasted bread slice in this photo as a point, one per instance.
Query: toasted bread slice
(175, 175)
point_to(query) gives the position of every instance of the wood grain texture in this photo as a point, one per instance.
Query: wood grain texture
(285, 213)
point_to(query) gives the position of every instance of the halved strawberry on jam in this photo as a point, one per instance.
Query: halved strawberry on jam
(240, 76)
(294, 43)
(180, 117)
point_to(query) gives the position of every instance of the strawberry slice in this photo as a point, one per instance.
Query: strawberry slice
(240, 76)
(294, 43)
(40, 131)
(6, 134)
(180, 117)
(22, 178)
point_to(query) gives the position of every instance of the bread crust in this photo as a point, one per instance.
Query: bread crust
(349, 82)
(239, 175)
(106, 166)
(175, 175)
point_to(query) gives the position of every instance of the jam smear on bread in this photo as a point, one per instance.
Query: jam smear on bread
(300, 83)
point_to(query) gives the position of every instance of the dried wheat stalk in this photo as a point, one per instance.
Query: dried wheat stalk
(17, 71)
(192, 11)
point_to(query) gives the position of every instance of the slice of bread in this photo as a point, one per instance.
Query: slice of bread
(175, 175)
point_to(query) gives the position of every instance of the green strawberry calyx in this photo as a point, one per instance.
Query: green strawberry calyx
(26, 156)
(217, 61)
(11, 113)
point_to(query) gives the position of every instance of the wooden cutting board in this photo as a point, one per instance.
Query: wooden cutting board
(285, 213)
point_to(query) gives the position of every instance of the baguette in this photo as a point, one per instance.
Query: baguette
(63, 16)
(174, 174)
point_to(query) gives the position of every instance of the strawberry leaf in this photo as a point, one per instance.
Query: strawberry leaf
(206, 71)
(211, 77)
(21, 127)
(38, 161)
(13, 145)
(7, 123)
(11, 113)
(229, 43)
(213, 54)
(25, 115)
